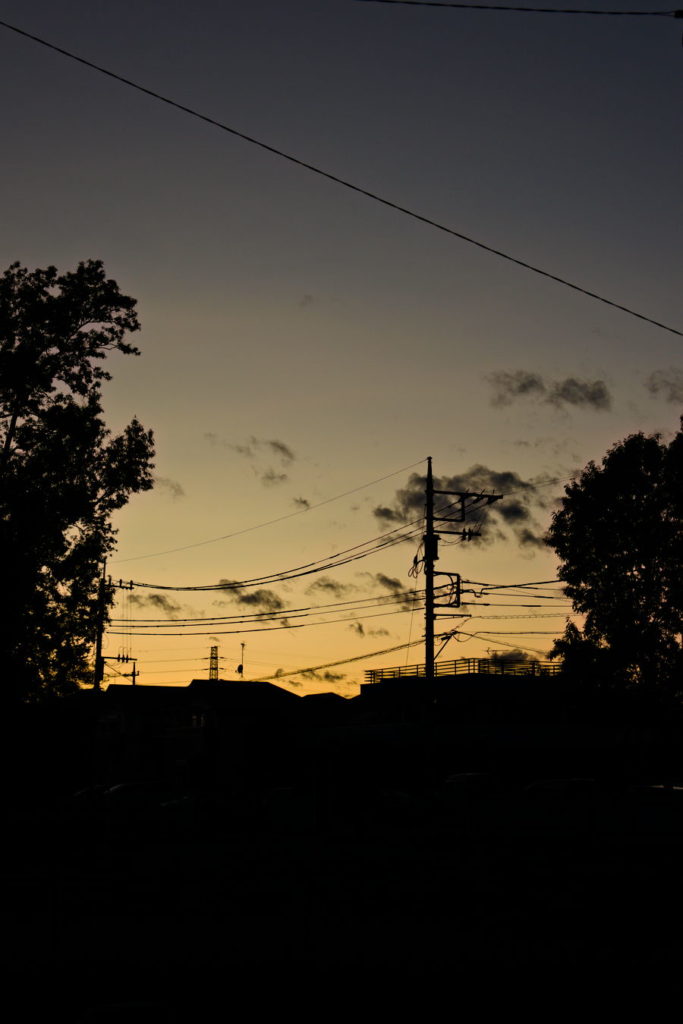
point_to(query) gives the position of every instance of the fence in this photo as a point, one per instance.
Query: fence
(469, 666)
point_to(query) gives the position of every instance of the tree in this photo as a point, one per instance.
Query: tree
(619, 534)
(62, 474)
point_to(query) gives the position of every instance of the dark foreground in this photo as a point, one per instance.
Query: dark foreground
(336, 855)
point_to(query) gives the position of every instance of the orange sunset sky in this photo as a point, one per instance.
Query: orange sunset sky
(301, 342)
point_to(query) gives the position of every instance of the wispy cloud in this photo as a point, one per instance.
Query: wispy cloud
(330, 588)
(255, 447)
(302, 503)
(271, 478)
(391, 583)
(281, 449)
(323, 677)
(667, 384)
(511, 386)
(256, 450)
(360, 630)
(572, 391)
(261, 599)
(172, 487)
(507, 386)
(395, 588)
(158, 602)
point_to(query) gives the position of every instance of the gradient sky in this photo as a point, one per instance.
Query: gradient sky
(278, 306)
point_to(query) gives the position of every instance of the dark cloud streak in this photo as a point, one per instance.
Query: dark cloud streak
(172, 487)
(667, 384)
(516, 512)
(510, 386)
(158, 602)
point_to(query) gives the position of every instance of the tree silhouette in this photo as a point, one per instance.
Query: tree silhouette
(619, 534)
(62, 474)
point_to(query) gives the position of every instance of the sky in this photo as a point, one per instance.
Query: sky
(301, 341)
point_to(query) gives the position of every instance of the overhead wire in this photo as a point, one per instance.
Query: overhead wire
(374, 196)
(362, 604)
(410, 529)
(307, 569)
(267, 629)
(271, 522)
(502, 643)
(343, 661)
(530, 10)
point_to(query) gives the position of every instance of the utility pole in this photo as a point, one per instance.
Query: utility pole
(213, 663)
(101, 615)
(468, 501)
(132, 675)
(431, 555)
(101, 608)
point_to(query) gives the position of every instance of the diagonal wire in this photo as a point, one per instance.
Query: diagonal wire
(341, 181)
(529, 10)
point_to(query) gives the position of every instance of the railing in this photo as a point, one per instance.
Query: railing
(469, 666)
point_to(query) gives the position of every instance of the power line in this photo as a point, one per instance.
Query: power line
(529, 10)
(360, 603)
(339, 181)
(344, 661)
(504, 586)
(268, 629)
(331, 562)
(309, 569)
(503, 643)
(269, 522)
(515, 632)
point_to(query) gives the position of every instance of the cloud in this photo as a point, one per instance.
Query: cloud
(172, 487)
(388, 515)
(516, 512)
(394, 586)
(573, 391)
(302, 503)
(509, 386)
(391, 583)
(518, 384)
(270, 478)
(329, 587)
(323, 677)
(262, 599)
(255, 447)
(666, 383)
(306, 300)
(158, 602)
(505, 657)
(528, 539)
(280, 449)
(359, 629)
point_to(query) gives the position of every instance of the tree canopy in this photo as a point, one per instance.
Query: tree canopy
(62, 473)
(619, 535)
